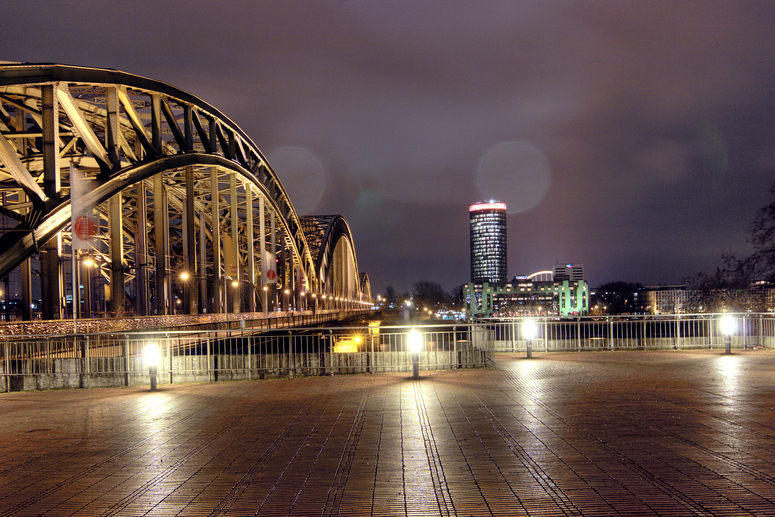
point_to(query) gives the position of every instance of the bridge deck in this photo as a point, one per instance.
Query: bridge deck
(634, 433)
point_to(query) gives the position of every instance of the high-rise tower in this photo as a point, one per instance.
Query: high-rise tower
(488, 242)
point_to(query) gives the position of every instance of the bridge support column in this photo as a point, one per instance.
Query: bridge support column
(189, 240)
(160, 237)
(217, 304)
(141, 253)
(251, 260)
(116, 221)
(50, 270)
(234, 263)
(262, 265)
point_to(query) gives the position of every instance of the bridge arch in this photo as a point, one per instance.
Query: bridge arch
(175, 185)
(336, 264)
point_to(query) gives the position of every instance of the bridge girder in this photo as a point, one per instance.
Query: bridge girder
(121, 131)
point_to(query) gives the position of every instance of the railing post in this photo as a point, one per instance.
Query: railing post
(455, 362)
(209, 363)
(610, 335)
(250, 356)
(169, 355)
(126, 361)
(291, 363)
(677, 333)
(578, 334)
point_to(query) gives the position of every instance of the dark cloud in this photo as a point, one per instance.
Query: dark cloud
(655, 118)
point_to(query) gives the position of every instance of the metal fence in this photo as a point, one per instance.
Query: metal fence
(117, 359)
(629, 333)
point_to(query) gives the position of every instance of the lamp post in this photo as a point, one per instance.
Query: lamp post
(152, 361)
(529, 330)
(415, 344)
(727, 326)
(186, 293)
(266, 302)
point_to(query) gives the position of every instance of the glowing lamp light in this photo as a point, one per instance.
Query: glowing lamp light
(151, 355)
(235, 284)
(727, 325)
(415, 341)
(529, 329)
(184, 276)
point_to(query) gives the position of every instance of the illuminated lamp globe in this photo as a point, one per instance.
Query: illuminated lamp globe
(151, 355)
(415, 341)
(529, 329)
(727, 325)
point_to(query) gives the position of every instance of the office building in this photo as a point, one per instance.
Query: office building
(488, 242)
(570, 272)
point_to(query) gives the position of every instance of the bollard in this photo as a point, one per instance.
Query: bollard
(415, 344)
(152, 361)
(529, 329)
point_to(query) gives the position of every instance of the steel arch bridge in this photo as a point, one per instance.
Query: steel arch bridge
(187, 208)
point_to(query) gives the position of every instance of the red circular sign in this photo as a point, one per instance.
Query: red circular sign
(85, 228)
(271, 274)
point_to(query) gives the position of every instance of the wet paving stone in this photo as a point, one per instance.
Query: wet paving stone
(606, 433)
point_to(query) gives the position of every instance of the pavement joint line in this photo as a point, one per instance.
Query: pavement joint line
(70, 480)
(441, 489)
(231, 497)
(338, 486)
(678, 495)
(563, 502)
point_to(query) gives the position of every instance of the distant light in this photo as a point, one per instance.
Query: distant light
(487, 206)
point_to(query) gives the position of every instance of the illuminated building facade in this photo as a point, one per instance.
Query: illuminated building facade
(488, 242)
(570, 272)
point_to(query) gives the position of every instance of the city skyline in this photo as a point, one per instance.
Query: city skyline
(636, 139)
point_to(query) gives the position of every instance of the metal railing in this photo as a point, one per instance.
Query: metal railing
(117, 359)
(630, 333)
(29, 362)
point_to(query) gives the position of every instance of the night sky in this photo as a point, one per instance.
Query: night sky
(635, 137)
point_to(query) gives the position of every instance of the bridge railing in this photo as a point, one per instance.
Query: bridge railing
(630, 333)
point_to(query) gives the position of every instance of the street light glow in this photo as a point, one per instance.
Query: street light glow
(529, 329)
(415, 341)
(151, 355)
(727, 325)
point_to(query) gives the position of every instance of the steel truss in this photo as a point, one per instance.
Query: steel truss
(175, 186)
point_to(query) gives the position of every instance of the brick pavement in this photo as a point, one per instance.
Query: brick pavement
(625, 433)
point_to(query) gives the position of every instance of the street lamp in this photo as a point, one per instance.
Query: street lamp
(727, 326)
(266, 301)
(415, 345)
(152, 361)
(529, 330)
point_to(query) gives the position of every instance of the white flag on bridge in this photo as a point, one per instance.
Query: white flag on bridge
(270, 268)
(82, 220)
